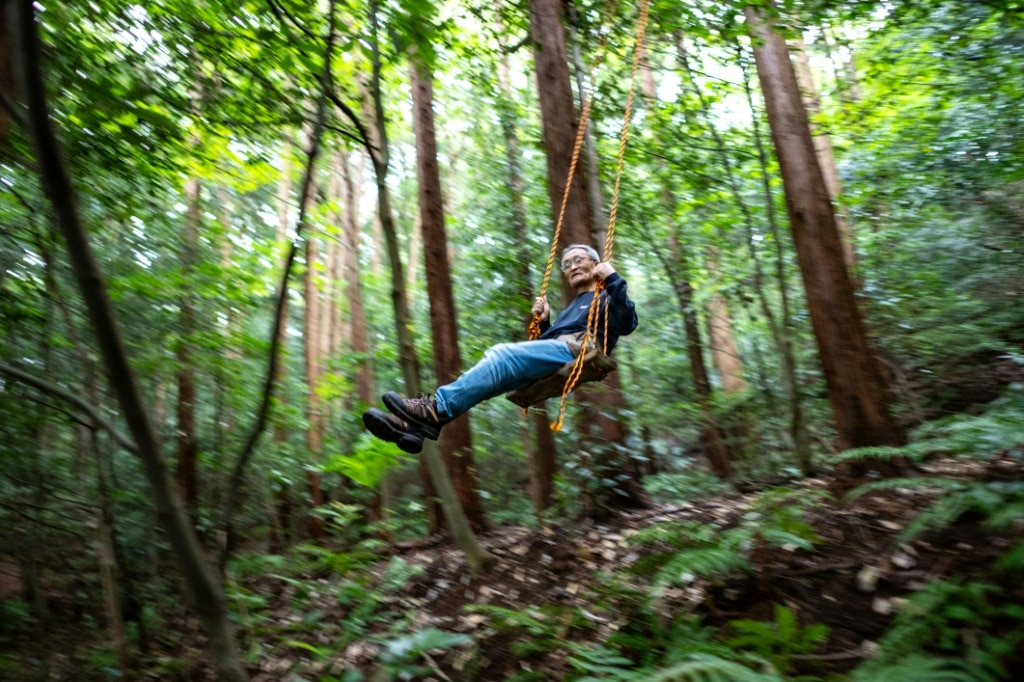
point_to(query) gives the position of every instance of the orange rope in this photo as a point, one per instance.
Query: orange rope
(609, 243)
(585, 102)
(584, 117)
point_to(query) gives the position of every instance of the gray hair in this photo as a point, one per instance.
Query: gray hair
(591, 251)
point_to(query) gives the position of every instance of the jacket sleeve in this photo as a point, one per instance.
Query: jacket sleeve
(621, 309)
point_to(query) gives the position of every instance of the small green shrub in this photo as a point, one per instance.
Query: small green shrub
(780, 640)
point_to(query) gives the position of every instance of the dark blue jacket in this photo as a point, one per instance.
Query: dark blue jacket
(622, 319)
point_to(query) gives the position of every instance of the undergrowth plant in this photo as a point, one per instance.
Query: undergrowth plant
(547, 626)
(778, 641)
(775, 519)
(968, 629)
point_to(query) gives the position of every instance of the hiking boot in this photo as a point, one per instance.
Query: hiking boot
(420, 411)
(393, 429)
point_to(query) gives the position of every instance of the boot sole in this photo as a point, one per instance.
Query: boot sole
(395, 403)
(377, 424)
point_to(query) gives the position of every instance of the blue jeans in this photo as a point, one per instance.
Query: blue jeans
(504, 367)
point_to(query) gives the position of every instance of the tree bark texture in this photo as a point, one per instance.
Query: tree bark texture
(312, 322)
(430, 462)
(456, 442)
(204, 587)
(823, 147)
(559, 125)
(558, 121)
(542, 455)
(856, 385)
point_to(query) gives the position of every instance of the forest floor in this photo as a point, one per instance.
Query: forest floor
(581, 582)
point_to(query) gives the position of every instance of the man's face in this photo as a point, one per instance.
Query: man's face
(578, 267)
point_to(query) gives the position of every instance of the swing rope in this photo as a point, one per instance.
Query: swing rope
(594, 314)
(585, 102)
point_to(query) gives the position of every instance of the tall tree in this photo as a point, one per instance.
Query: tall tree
(559, 127)
(679, 267)
(375, 140)
(456, 441)
(204, 587)
(857, 388)
(823, 146)
(541, 458)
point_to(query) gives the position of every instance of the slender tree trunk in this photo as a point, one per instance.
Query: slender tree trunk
(358, 336)
(108, 560)
(456, 443)
(782, 331)
(311, 342)
(542, 457)
(478, 559)
(823, 149)
(679, 270)
(204, 587)
(188, 448)
(589, 150)
(856, 385)
(281, 434)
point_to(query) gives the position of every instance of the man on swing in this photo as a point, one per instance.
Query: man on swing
(510, 366)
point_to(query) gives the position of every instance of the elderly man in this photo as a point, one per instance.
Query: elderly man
(510, 366)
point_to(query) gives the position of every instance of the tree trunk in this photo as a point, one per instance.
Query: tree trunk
(558, 119)
(677, 265)
(186, 408)
(541, 457)
(823, 148)
(204, 587)
(589, 150)
(456, 443)
(477, 558)
(559, 129)
(358, 336)
(725, 355)
(311, 342)
(856, 385)
(781, 331)
(281, 434)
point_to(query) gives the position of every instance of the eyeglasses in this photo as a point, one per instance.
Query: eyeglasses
(570, 264)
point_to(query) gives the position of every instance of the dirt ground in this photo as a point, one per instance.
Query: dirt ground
(852, 581)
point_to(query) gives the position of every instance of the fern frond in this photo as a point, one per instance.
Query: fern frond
(913, 451)
(675, 533)
(890, 484)
(709, 669)
(920, 668)
(699, 563)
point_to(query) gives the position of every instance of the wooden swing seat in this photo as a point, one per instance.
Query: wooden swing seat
(596, 366)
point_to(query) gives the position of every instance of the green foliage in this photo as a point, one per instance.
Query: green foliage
(400, 655)
(369, 462)
(775, 519)
(1001, 503)
(679, 487)
(15, 618)
(919, 668)
(547, 626)
(708, 668)
(969, 623)
(591, 663)
(780, 640)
